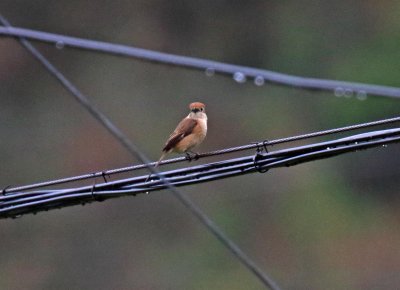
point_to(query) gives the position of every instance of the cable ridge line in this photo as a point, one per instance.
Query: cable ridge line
(202, 64)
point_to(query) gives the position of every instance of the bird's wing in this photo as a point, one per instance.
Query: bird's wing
(184, 128)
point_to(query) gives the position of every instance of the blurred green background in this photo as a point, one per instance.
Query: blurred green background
(330, 224)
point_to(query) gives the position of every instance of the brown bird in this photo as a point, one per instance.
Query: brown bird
(189, 133)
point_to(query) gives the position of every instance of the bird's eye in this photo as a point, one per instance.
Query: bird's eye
(201, 109)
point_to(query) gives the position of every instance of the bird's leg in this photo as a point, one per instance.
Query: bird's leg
(190, 155)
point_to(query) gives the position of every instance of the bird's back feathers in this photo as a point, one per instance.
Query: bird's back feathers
(184, 128)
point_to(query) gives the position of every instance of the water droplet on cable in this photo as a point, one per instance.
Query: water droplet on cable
(384, 145)
(348, 93)
(339, 92)
(210, 71)
(239, 77)
(259, 81)
(147, 192)
(60, 44)
(362, 95)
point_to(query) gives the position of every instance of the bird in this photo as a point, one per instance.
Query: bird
(189, 133)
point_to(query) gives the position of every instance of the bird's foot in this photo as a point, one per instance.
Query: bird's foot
(191, 155)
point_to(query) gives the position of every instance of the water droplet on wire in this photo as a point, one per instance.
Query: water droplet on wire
(348, 93)
(60, 44)
(339, 92)
(239, 77)
(361, 95)
(259, 81)
(210, 71)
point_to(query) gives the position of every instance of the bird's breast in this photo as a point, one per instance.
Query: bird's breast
(202, 126)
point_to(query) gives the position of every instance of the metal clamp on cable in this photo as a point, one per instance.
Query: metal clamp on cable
(265, 143)
(3, 191)
(105, 175)
(260, 148)
(93, 193)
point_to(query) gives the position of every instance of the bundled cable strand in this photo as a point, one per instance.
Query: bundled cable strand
(208, 66)
(31, 202)
(249, 146)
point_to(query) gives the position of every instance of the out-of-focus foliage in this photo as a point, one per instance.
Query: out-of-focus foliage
(332, 224)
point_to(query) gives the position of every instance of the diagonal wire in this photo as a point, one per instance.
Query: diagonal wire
(209, 66)
(206, 154)
(134, 150)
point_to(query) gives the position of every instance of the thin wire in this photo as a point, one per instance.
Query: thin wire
(212, 67)
(206, 154)
(133, 149)
(29, 202)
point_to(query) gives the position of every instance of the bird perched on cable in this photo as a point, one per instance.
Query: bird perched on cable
(189, 133)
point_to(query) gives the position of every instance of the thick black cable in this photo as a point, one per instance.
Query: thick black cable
(217, 170)
(29, 202)
(273, 159)
(210, 67)
(132, 148)
(208, 154)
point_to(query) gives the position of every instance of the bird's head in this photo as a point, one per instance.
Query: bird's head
(197, 107)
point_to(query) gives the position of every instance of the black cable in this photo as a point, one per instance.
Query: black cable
(28, 202)
(132, 148)
(207, 154)
(240, 73)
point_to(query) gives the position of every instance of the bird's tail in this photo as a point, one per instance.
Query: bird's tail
(161, 158)
(158, 162)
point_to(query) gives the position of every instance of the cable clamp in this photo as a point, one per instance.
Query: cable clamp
(260, 148)
(105, 175)
(93, 193)
(3, 191)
